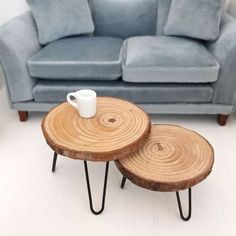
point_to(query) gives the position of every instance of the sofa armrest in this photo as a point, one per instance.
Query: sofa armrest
(224, 50)
(18, 42)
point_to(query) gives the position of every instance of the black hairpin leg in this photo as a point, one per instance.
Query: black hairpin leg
(122, 185)
(89, 189)
(54, 162)
(178, 200)
(189, 205)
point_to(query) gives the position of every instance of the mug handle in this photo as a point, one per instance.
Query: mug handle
(71, 102)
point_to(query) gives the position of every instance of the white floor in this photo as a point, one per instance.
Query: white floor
(33, 201)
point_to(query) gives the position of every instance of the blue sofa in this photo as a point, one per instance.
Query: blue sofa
(127, 56)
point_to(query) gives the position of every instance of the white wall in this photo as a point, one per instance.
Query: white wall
(11, 8)
(232, 7)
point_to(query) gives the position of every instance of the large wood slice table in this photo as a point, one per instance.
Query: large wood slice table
(173, 159)
(118, 129)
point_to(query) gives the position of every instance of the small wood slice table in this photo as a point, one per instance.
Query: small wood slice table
(118, 129)
(173, 159)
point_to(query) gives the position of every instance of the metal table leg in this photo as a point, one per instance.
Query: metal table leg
(123, 182)
(54, 162)
(178, 200)
(89, 189)
(88, 184)
(189, 205)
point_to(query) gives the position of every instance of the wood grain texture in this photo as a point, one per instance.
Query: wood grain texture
(119, 128)
(173, 159)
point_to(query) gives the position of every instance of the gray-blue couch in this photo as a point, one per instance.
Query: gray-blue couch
(128, 56)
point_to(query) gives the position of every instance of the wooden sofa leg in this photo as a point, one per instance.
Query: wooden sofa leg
(222, 119)
(23, 115)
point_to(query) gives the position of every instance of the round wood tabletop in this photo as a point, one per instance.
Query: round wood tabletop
(173, 159)
(118, 128)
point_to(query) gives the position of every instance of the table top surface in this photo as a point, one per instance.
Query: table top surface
(172, 159)
(118, 128)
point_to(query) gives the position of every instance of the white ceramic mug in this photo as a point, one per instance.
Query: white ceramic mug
(85, 101)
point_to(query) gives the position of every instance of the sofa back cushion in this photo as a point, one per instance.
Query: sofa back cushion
(163, 9)
(196, 19)
(162, 15)
(123, 19)
(57, 19)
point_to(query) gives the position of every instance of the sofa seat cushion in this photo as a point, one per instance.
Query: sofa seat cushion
(53, 91)
(94, 58)
(168, 60)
